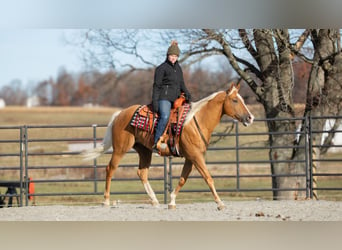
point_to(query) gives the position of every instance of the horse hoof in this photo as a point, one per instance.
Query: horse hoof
(171, 207)
(106, 203)
(155, 203)
(221, 207)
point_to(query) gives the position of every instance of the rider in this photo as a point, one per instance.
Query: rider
(167, 87)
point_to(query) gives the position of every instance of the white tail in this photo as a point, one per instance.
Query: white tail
(106, 144)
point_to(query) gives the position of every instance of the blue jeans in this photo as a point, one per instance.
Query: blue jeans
(164, 114)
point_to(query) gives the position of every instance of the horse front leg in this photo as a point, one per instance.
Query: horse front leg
(143, 175)
(202, 169)
(187, 168)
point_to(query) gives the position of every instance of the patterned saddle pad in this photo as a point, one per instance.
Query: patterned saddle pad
(144, 119)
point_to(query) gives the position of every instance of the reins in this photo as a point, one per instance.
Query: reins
(227, 130)
(200, 132)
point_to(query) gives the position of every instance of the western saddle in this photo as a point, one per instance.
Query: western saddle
(145, 119)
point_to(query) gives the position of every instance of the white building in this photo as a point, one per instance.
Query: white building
(32, 101)
(337, 140)
(2, 103)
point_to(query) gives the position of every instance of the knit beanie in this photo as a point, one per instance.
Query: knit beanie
(173, 49)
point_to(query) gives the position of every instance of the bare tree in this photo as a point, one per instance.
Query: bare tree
(44, 92)
(270, 76)
(13, 94)
(63, 89)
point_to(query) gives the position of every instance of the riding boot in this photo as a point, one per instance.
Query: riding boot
(154, 148)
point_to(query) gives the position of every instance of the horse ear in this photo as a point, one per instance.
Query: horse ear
(233, 85)
(230, 88)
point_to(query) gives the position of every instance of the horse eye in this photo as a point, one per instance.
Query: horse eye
(235, 100)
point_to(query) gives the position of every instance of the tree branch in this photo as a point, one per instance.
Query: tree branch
(212, 35)
(205, 51)
(304, 58)
(248, 44)
(250, 66)
(300, 41)
(297, 46)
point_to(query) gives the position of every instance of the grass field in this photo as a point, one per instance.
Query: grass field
(65, 167)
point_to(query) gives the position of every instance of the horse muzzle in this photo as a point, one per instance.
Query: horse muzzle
(248, 120)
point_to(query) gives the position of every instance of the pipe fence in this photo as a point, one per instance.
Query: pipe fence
(38, 162)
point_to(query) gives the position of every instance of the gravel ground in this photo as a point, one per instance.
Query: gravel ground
(235, 211)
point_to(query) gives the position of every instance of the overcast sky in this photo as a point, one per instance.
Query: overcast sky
(31, 31)
(32, 55)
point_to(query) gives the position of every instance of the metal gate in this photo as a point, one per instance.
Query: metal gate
(26, 149)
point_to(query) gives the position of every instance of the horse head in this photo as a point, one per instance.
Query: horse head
(235, 107)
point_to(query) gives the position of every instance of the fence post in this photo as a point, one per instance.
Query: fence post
(237, 155)
(26, 163)
(21, 146)
(170, 174)
(95, 161)
(310, 157)
(306, 131)
(165, 180)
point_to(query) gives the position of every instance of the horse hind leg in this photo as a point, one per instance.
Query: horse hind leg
(187, 168)
(110, 170)
(145, 157)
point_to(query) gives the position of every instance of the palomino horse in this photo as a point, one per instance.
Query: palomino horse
(198, 127)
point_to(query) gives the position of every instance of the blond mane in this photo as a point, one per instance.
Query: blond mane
(196, 106)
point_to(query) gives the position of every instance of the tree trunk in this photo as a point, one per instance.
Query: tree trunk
(324, 90)
(276, 69)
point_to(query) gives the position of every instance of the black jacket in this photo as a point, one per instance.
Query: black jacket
(168, 83)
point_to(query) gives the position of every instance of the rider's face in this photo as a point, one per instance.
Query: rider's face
(172, 58)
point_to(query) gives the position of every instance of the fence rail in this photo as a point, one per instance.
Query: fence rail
(43, 152)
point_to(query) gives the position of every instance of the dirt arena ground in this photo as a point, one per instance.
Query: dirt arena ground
(235, 211)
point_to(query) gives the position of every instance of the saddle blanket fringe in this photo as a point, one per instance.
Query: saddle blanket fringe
(178, 126)
(142, 121)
